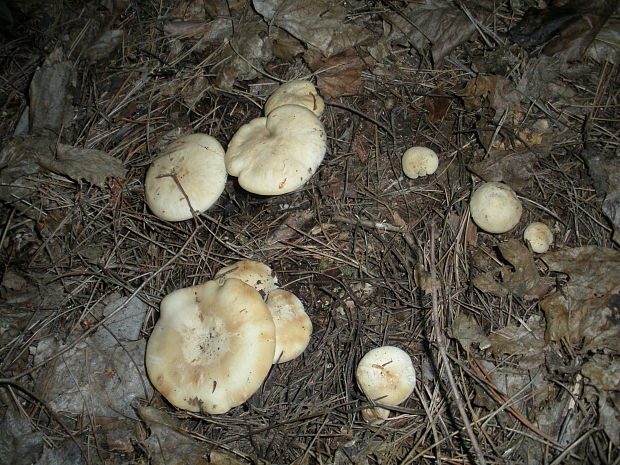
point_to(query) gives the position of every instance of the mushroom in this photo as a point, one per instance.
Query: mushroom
(495, 207)
(419, 161)
(297, 92)
(197, 162)
(385, 374)
(258, 275)
(212, 346)
(278, 153)
(538, 236)
(293, 326)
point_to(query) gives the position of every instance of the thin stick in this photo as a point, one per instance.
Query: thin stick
(441, 343)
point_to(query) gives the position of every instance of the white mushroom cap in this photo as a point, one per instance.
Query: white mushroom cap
(293, 326)
(538, 236)
(386, 374)
(495, 207)
(197, 161)
(297, 92)
(278, 153)
(212, 346)
(375, 415)
(419, 161)
(258, 275)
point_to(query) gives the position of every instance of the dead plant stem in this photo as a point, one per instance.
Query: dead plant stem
(441, 344)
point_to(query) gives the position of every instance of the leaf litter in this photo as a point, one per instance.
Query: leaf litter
(540, 333)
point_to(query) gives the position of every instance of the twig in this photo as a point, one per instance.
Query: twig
(441, 343)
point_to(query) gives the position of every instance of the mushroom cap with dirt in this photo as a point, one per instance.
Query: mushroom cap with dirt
(385, 374)
(258, 275)
(539, 236)
(278, 153)
(495, 208)
(419, 161)
(197, 163)
(212, 346)
(298, 92)
(293, 326)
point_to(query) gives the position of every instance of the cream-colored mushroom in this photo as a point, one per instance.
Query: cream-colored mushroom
(293, 326)
(279, 153)
(538, 236)
(419, 161)
(212, 346)
(385, 374)
(197, 162)
(495, 208)
(298, 92)
(258, 275)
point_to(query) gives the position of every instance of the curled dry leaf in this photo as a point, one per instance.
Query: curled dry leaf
(437, 25)
(495, 92)
(468, 332)
(585, 311)
(339, 75)
(521, 280)
(321, 24)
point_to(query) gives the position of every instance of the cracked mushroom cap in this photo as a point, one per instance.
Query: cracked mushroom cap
(495, 208)
(212, 346)
(297, 92)
(419, 161)
(278, 153)
(293, 326)
(385, 374)
(258, 275)
(538, 236)
(197, 161)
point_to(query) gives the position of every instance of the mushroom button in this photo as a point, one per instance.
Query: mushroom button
(419, 161)
(538, 236)
(297, 92)
(495, 208)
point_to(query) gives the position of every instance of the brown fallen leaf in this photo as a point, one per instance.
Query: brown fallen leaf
(525, 340)
(521, 279)
(495, 92)
(338, 75)
(437, 105)
(569, 27)
(321, 24)
(467, 331)
(586, 310)
(514, 168)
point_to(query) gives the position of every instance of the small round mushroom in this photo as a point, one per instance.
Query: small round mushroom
(278, 153)
(293, 326)
(258, 275)
(385, 374)
(495, 207)
(419, 161)
(298, 92)
(538, 236)
(212, 346)
(197, 162)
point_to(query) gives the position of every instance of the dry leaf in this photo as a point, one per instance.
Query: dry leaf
(514, 168)
(287, 230)
(521, 280)
(321, 24)
(586, 310)
(437, 106)
(92, 165)
(495, 92)
(467, 331)
(105, 44)
(338, 75)
(438, 25)
(526, 340)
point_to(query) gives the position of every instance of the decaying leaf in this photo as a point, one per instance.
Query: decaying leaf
(105, 44)
(92, 165)
(525, 340)
(468, 332)
(606, 45)
(437, 25)
(437, 105)
(569, 27)
(521, 280)
(586, 310)
(495, 92)
(287, 230)
(603, 373)
(514, 168)
(321, 24)
(245, 54)
(338, 75)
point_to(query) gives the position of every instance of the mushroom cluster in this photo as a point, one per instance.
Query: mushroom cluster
(272, 155)
(214, 343)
